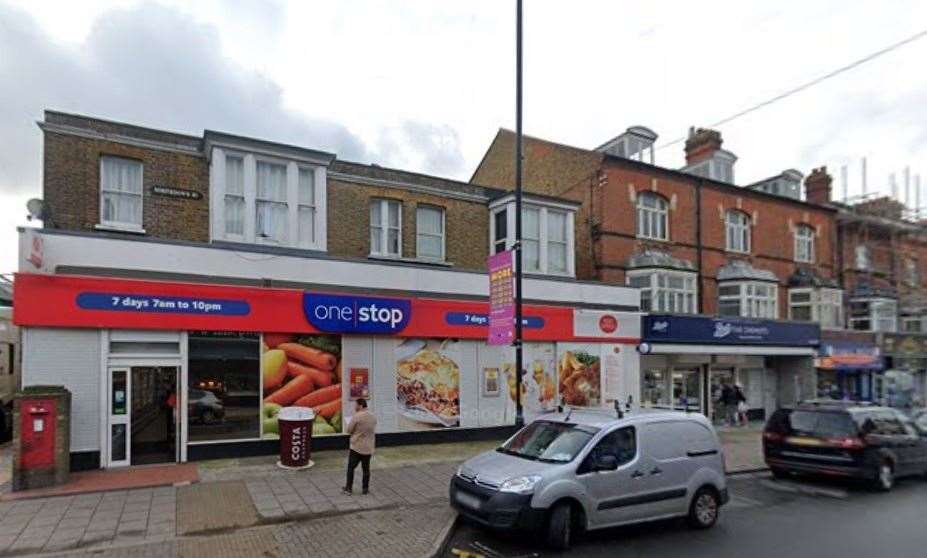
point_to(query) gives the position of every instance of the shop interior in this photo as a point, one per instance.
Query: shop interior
(154, 424)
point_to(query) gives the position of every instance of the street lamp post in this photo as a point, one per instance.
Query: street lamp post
(519, 412)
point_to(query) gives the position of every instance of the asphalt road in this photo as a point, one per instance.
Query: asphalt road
(765, 518)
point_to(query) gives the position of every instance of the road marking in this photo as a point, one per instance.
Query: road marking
(744, 502)
(810, 490)
(465, 553)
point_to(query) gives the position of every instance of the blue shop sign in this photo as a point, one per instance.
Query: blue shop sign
(162, 304)
(471, 319)
(729, 331)
(356, 314)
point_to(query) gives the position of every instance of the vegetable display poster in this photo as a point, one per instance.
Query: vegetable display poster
(299, 370)
(579, 374)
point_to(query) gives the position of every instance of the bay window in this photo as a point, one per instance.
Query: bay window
(121, 193)
(804, 244)
(429, 233)
(737, 229)
(267, 200)
(652, 212)
(824, 306)
(665, 290)
(748, 299)
(874, 314)
(385, 228)
(547, 235)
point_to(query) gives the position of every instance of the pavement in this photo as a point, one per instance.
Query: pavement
(249, 506)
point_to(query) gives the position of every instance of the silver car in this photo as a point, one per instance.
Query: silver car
(584, 470)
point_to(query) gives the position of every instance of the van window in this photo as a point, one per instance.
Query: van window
(621, 443)
(661, 440)
(552, 442)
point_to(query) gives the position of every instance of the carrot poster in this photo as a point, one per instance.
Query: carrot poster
(301, 371)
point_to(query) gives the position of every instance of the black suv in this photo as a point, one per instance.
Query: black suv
(845, 439)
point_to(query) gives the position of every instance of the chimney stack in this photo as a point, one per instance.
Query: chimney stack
(817, 186)
(701, 144)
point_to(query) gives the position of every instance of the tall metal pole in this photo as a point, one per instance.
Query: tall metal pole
(519, 415)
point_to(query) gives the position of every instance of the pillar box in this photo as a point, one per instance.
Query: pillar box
(41, 437)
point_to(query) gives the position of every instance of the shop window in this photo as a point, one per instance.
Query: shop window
(655, 390)
(804, 244)
(665, 291)
(748, 299)
(547, 237)
(386, 228)
(429, 233)
(737, 228)
(267, 200)
(224, 395)
(121, 193)
(824, 306)
(652, 212)
(874, 314)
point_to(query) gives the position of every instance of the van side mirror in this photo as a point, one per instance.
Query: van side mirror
(606, 463)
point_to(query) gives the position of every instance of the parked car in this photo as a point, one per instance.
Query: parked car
(846, 439)
(574, 471)
(205, 406)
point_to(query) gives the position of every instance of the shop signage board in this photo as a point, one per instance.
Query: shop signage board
(180, 193)
(725, 331)
(100, 302)
(501, 298)
(848, 356)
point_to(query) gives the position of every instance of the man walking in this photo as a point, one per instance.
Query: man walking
(361, 428)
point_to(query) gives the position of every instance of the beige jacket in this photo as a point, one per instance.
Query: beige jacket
(361, 428)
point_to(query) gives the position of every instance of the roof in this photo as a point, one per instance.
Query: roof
(212, 136)
(390, 176)
(600, 418)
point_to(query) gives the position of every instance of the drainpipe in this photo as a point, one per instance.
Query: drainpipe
(698, 244)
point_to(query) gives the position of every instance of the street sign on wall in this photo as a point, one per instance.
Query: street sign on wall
(501, 298)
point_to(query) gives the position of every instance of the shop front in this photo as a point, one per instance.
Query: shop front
(904, 383)
(849, 366)
(694, 363)
(173, 371)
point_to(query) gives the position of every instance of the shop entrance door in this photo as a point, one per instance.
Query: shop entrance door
(719, 378)
(687, 390)
(143, 410)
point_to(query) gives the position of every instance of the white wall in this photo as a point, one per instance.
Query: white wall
(68, 357)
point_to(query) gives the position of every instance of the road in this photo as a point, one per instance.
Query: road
(765, 518)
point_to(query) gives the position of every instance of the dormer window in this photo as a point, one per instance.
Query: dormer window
(547, 234)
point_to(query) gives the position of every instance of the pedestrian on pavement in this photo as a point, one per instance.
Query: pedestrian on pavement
(729, 403)
(741, 405)
(361, 428)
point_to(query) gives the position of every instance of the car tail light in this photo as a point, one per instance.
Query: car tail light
(848, 442)
(772, 436)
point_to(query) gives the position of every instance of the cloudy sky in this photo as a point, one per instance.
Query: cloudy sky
(424, 85)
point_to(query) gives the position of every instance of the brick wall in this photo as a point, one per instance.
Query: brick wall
(466, 222)
(72, 186)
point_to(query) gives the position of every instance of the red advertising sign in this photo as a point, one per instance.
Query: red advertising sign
(360, 383)
(501, 298)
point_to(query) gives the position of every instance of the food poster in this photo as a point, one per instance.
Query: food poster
(579, 375)
(299, 370)
(538, 388)
(428, 383)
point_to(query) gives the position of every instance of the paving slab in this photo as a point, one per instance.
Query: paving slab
(214, 506)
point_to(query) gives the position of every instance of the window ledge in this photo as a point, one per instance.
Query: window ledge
(438, 263)
(119, 228)
(651, 239)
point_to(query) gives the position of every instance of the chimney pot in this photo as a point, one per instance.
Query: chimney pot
(702, 144)
(818, 186)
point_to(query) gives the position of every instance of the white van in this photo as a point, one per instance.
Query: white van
(582, 470)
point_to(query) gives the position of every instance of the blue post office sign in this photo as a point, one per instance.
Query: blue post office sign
(729, 331)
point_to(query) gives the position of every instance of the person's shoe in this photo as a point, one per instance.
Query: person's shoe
(346, 490)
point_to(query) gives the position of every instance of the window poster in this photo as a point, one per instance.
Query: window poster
(579, 375)
(428, 383)
(491, 385)
(300, 370)
(360, 383)
(538, 387)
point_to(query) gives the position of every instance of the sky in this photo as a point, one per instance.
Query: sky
(424, 85)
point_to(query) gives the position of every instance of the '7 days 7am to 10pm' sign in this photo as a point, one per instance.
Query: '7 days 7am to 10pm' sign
(501, 298)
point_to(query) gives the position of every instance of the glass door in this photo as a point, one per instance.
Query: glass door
(119, 447)
(687, 390)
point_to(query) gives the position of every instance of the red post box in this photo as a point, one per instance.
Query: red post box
(38, 433)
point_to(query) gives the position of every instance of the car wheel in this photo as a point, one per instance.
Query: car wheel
(779, 473)
(559, 529)
(704, 509)
(885, 477)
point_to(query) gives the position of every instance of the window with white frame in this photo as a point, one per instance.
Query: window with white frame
(911, 275)
(748, 299)
(385, 228)
(267, 200)
(874, 314)
(652, 216)
(914, 324)
(862, 257)
(429, 233)
(665, 290)
(737, 227)
(804, 244)
(824, 306)
(120, 193)
(547, 237)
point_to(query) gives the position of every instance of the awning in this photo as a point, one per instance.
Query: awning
(683, 349)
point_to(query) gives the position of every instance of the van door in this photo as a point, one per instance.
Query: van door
(611, 493)
(667, 470)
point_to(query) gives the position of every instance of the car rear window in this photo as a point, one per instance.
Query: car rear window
(818, 424)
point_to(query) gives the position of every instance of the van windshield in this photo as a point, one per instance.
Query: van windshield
(551, 442)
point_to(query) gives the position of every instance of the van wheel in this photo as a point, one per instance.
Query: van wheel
(704, 509)
(559, 531)
(885, 477)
